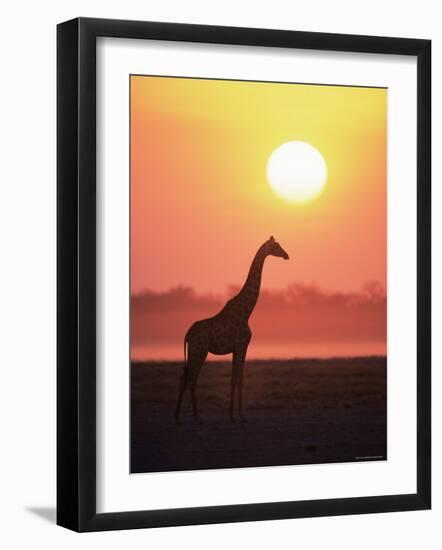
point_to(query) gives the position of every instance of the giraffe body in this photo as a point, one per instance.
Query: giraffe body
(226, 332)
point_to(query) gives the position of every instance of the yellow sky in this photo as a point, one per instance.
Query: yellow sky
(201, 203)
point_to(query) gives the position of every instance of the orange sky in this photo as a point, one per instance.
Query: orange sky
(201, 204)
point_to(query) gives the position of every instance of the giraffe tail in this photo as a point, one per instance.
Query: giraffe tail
(185, 355)
(184, 378)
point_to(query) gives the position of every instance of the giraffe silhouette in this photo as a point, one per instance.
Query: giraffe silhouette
(226, 332)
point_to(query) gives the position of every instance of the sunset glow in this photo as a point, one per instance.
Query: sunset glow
(297, 172)
(218, 166)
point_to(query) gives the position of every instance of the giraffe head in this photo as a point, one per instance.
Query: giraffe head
(273, 248)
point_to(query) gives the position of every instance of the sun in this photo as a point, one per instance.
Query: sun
(297, 172)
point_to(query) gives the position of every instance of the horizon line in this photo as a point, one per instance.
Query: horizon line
(266, 359)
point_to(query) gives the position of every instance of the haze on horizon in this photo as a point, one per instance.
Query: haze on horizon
(201, 204)
(299, 321)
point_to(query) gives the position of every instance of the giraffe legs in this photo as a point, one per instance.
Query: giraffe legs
(194, 370)
(196, 415)
(239, 357)
(182, 388)
(240, 384)
(232, 395)
(198, 343)
(190, 377)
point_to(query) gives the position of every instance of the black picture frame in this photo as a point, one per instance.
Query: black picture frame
(76, 274)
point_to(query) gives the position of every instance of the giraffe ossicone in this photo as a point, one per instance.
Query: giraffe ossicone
(226, 332)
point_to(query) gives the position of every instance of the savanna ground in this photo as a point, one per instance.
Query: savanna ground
(303, 411)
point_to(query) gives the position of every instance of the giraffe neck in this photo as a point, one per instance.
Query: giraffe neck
(249, 294)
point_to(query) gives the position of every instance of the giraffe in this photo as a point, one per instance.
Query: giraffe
(226, 332)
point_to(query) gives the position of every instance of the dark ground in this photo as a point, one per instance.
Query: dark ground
(302, 411)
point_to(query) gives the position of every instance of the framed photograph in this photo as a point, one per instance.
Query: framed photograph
(243, 274)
